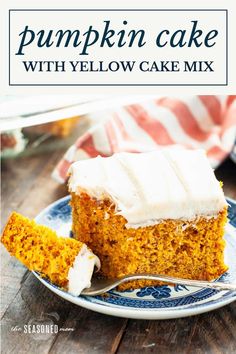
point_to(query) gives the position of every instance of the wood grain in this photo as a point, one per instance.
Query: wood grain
(93, 333)
(28, 188)
(213, 332)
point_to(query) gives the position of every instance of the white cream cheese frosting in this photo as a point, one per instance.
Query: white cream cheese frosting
(149, 187)
(81, 272)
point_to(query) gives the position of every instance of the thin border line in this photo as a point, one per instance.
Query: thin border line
(227, 46)
(118, 85)
(9, 54)
(118, 9)
(107, 85)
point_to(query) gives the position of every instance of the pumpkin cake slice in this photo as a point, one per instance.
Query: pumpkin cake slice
(158, 212)
(66, 262)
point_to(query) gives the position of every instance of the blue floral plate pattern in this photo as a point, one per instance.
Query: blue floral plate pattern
(156, 302)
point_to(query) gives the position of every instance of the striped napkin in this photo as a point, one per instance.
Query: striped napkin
(207, 122)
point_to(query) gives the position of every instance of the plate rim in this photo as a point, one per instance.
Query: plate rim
(135, 313)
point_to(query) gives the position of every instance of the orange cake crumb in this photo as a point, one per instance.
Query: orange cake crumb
(40, 249)
(187, 249)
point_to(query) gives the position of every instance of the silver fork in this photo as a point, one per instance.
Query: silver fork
(101, 285)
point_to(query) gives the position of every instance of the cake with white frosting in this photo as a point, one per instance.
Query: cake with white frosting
(158, 212)
(66, 262)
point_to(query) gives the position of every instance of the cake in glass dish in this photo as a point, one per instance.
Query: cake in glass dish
(159, 212)
(59, 128)
(12, 142)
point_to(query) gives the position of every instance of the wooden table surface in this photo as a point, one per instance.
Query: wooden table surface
(28, 188)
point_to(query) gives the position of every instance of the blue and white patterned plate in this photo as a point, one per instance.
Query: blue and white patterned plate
(157, 302)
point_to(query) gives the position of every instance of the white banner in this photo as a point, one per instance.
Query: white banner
(115, 47)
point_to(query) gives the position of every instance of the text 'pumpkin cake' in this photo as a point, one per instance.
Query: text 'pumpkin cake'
(158, 212)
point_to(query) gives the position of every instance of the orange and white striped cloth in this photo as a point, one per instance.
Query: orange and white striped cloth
(207, 122)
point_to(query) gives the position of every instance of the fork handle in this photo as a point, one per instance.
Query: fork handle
(165, 278)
